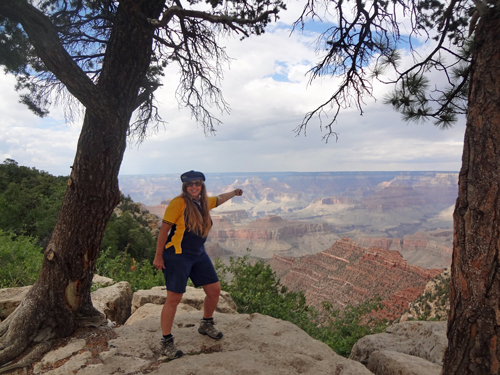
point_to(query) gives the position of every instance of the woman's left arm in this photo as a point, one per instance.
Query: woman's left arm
(224, 197)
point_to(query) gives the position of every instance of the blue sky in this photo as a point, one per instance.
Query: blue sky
(267, 88)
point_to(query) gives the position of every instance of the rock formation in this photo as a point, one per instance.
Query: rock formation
(431, 249)
(114, 301)
(434, 302)
(410, 348)
(252, 344)
(142, 215)
(347, 274)
(267, 236)
(10, 298)
(326, 206)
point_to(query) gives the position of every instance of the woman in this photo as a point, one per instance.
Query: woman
(180, 253)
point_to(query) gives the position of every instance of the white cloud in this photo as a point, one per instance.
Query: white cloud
(46, 144)
(258, 134)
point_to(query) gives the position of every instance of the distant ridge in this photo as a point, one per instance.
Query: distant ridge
(151, 189)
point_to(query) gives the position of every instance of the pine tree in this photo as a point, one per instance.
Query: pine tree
(365, 43)
(109, 56)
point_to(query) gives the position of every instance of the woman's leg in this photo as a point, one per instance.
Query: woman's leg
(212, 292)
(211, 299)
(168, 312)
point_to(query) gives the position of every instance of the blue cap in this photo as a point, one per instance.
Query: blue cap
(192, 176)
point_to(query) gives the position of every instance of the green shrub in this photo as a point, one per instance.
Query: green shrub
(20, 260)
(123, 267)
(341, 330)
(125, 233)
(254, 288)
(30, 200)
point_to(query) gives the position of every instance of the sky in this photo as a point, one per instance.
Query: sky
(268, 90)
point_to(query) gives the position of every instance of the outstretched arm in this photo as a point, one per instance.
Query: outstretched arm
(224, 197)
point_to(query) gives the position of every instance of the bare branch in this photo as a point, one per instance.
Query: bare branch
(48, 47)
(365, 33)
(229, 21)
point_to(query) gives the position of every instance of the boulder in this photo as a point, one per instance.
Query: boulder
(10, 298)
(387, 362)
(150, 309)
(420, 342)
(114, 301)
(193, 297)
(102, 280)
(155, 295)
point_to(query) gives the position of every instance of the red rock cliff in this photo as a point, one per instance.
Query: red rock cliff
(347, 274)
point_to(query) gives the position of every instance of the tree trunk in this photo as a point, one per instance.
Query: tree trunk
(61, 296)
(60, 299)
(474, 320)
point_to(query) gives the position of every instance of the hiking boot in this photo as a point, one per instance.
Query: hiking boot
(168, 349)
(207, 328)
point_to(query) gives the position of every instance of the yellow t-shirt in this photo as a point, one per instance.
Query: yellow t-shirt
(178, 237)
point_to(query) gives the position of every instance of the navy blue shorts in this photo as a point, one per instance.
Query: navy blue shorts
(179, 267)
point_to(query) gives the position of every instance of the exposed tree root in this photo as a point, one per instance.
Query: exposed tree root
(34, 321)
(18, 331)
(33, 355)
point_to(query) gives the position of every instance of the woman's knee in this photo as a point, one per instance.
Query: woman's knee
(173, 299)
(213, 290)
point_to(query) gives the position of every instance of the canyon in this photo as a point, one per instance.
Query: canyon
(294, 214)
(338, 237)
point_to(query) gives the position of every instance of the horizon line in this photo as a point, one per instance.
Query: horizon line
(296, 172)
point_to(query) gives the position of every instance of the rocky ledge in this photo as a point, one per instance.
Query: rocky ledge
(252, 344)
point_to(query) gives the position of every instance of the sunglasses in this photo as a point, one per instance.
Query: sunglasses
(195, 183)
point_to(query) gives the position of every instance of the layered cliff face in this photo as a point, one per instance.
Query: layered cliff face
(434, 302)
(387, 210)
(347, 274)
(431, 249)
(267, 236)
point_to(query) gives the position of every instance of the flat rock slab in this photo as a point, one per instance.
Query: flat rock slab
(74, 346)
(255, 344)
(252, 344)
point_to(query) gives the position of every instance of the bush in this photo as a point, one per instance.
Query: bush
(30, 200)
(20, 260)
(129, 232)
(123, 267)
(341, 330)
(254, 288)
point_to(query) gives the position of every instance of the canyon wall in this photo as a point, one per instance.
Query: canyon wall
(431, 249)
(347, 274)
(265, 237)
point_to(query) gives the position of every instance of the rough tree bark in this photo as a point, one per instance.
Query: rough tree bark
(60, 300)
(474, 320)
